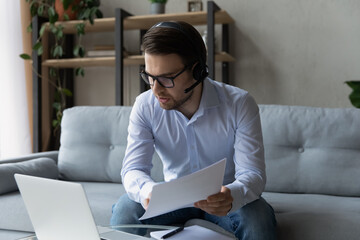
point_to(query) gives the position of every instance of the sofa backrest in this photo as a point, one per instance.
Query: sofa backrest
(93, 142)
(312, 150)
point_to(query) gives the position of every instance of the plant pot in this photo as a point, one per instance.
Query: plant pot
(157, 8)
(59, 8)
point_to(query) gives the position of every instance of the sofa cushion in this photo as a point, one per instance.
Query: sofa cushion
(40, 167)
(101, 197)
(93, 142)
(315, 217)
(311, 150)
(13, 213)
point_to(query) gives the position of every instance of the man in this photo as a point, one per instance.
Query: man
(193, 122)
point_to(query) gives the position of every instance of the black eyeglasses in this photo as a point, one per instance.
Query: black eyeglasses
(166, 82)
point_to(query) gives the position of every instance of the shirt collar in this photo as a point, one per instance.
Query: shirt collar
(210, 97)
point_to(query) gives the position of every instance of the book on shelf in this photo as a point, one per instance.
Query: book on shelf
(100, 53)
(104, 51)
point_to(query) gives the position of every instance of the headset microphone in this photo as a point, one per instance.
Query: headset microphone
(192, 87)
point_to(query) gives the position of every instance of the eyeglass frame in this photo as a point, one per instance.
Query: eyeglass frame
(143, 72)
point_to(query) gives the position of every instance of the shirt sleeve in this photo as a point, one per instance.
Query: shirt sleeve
(250, 177)
(137, 162)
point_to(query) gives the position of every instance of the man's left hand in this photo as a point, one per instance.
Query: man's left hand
(218, 204)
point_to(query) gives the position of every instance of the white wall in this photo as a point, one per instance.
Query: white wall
(293, 52)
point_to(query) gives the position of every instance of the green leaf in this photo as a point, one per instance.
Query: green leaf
(82, 51)
(53, 16)
(56, 106)
(79, 71)
(355, 98)
(66, 17)
(25, 56)
(59, 34)
(80, 28)
(355, 94)
(55, 123)
(42, 30)
(51, 12)
(58, 51)
(40, 10)
(99, 14)
(76, 50)
(33, 9)
(353, 84)
(37, 46)
(29, 28)
(52, 72)
(40, 50)
(85, 14)
(67, 92)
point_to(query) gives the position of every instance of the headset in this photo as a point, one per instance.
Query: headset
(201, 70)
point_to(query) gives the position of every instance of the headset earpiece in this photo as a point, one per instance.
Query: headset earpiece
(200, 72)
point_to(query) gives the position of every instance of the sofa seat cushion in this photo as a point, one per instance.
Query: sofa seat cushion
(13, 213)
(312, 216)
(101, 197)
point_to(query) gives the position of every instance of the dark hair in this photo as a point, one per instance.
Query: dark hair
(182, 39)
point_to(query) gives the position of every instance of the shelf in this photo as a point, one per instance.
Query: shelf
(110, 61)
(146, 21)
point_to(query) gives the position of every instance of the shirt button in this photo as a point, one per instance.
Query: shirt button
(111, 147)
(301, 150)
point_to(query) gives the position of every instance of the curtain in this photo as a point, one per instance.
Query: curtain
(15, 137)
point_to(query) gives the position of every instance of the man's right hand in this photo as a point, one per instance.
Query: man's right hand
(146, 201)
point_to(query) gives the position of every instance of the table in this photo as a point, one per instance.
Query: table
(138, 229)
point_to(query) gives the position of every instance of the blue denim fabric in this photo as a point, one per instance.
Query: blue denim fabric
(255, 220)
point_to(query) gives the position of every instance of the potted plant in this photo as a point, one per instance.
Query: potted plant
(56, 10)
(355, 94)
(157, 6)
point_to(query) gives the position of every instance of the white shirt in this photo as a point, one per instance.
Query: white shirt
(226, 125)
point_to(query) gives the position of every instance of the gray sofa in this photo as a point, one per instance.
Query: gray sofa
(312, 157)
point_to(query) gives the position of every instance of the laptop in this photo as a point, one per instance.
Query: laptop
(60, 210)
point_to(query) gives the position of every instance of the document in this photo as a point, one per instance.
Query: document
(185, 191)
(192, 232)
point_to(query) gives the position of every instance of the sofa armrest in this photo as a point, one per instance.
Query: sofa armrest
(51, 154)
(39, 164)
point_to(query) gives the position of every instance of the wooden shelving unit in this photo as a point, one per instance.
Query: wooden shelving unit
(144, 22)
(110, 61)
(118, 24)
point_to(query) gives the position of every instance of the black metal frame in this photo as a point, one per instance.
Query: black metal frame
(212, 8)
(37, 89)
(120, 15)
(67, 76)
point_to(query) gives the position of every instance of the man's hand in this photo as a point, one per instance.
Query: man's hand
(146, 201)
(218, 204)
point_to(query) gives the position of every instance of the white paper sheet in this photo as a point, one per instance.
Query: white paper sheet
(192, 232)
(185, 191)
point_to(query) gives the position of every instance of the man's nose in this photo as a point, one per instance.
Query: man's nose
(156, 87)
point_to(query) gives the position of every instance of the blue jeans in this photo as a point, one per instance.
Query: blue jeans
(256, 220)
